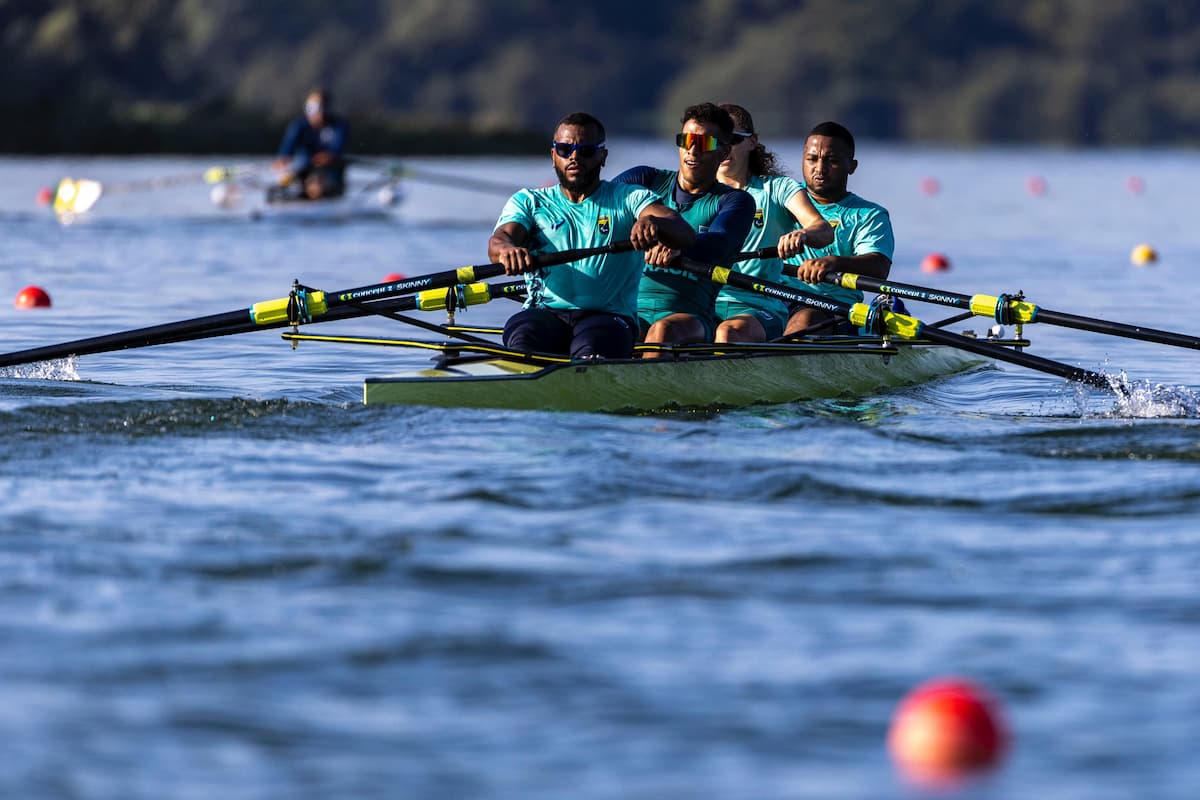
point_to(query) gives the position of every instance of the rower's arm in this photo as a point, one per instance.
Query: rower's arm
(817, 230)
(658, 224)
(874, 265)
(505, 247)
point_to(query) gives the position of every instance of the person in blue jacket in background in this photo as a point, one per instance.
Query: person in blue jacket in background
(312, 153)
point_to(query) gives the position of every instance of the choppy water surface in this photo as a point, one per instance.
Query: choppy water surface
(220, 575)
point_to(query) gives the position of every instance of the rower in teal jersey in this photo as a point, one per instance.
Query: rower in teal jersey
(863, 239)
(784, 217)
(674, 305)
(586, 308)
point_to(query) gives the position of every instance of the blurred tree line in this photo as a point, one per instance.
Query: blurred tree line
(209, 76)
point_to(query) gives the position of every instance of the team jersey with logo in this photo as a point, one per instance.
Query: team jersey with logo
(859, 227)
(721, 218)
(771, 220)
(606, 282)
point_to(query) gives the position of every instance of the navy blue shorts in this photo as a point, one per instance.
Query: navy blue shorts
(578, 334)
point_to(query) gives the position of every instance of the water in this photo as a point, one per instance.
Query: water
(221, 575)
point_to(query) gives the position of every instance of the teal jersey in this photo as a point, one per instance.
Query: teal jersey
(607, 282)
(771, 220)
(859, 227)
(721, 217)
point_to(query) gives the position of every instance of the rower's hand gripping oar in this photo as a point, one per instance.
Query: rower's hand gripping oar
(1005, 309)
(299, 307)
(899, 326)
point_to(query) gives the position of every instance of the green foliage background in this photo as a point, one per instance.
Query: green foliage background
(456, 75)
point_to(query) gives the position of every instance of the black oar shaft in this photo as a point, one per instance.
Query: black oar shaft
(1021, 311)
(124, 340)
(1117, 329)
(318, 307)
(899, 325)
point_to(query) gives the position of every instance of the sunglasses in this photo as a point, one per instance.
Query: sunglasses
(564, 149)
(707, 144)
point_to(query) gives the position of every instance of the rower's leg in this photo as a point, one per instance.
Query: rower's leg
(806, 317)
(742, 328)
(602, 336)
(679, 328)
(537, 330)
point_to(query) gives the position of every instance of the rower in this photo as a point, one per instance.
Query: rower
(587, 308)
(785, 217)
(863, 240)
(674, 305)
(311, 154)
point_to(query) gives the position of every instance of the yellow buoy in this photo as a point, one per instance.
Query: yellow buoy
(1142, 255)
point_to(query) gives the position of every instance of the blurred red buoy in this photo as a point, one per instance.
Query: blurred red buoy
(45, 196)
(930, 186)
(32, 297)
(935, 262)
(944, 730)
(1036, 185)
(393, 276)
(1135, 184)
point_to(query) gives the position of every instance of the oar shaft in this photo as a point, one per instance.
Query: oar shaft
(898, 325)
(125, 339)
(1117, 329)
(317, 307)
(997, 306)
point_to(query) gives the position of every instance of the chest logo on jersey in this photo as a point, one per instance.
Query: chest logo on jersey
(602, 224)
(758, 217)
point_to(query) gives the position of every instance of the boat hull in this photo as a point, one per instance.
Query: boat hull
(659, 384)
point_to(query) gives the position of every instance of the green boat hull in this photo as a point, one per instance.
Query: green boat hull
(797, 373)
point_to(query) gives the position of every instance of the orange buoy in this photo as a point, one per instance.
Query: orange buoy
(1135, 184)
(32, 297)
(1143, 255)
(1036, 185)
(930, 186)
(935, 262)
(45, 196)
(393, 276)
(945, 730)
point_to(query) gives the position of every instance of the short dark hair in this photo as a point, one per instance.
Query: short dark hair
(583, 120)
(834, 131)
(710, 112)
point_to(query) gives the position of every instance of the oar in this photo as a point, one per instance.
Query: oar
(301, 306)
(1005, 309)
(429, 300)
(400, 171)
(899, 326)
(78, 196)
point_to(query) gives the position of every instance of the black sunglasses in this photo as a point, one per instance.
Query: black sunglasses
(564, 149)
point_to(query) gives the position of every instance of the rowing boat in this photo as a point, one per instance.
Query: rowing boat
(372, 202)
(478, 372)
(732, 377)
